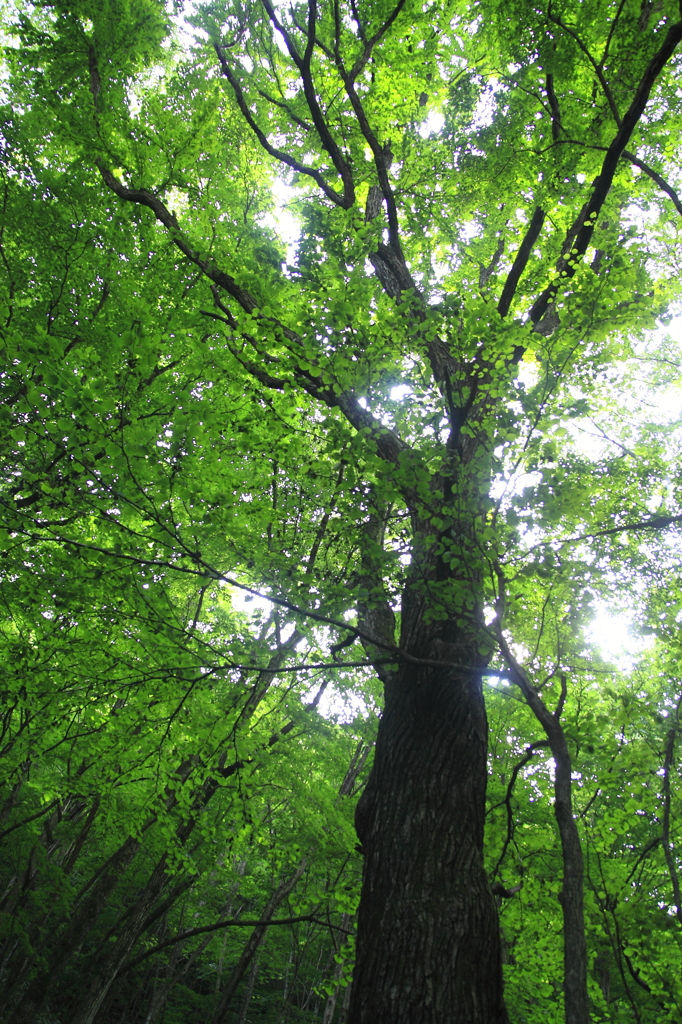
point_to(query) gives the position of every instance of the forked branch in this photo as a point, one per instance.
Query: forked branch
(303, 64)
(373, 40)
(596, 67)
(603, 182)
(388, 445)
(339, 199)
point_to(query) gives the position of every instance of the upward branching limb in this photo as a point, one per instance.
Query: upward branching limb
(382, 162)
(388, 260)
(388, 444)
(612, 29)
(303, 64)
(373, 40)
(554, 107)
(595, 65)
(339, 199)
(287, 109)
(143, 197)
(604, 180)
(520, 261)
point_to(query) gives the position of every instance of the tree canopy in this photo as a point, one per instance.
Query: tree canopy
(340, 419)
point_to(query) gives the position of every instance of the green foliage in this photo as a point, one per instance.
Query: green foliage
(170, 452)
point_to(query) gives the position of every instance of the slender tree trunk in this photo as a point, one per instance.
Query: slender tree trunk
(428, 948)
(161, 993)
(83, 919)
(328, 1015)
(576, 997)
(330, 1005)
(221, 960)
(285, 994)
(103, 973)
(252, 944)
(98, 891)
(668, 848)
(343, 1017)
(248, 995)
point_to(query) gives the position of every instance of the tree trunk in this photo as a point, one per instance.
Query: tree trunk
(668, 847)
(428, 947)
(343, 1017)
(103, 972)
(160, 994)
(576, 996)
(84, 917)
(248, 995)
(253, 942)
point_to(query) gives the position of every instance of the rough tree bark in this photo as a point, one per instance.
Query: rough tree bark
(426, 900)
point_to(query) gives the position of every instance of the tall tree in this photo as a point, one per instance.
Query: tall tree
(484, 210)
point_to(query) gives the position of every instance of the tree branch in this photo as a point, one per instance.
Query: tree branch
(528, 756)
(337, 198)
(655, 176)
(381, 164)
(656, 523)
(44, 810)
(389, 446)
(373, 40)
(597, 68)
(143, 197)
(356, 18)
(665, 834)
(638, 162)
(554, 107)
(285, 107)
(612, 29)
(303, 64)
(183, 936)
(604, 180)
(520, 261)
(375, 613)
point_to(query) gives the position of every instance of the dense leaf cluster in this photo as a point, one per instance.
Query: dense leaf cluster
(333, 353)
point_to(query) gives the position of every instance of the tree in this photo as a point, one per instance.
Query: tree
(485, 211)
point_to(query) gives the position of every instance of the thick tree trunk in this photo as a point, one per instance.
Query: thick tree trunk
(428, 948)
